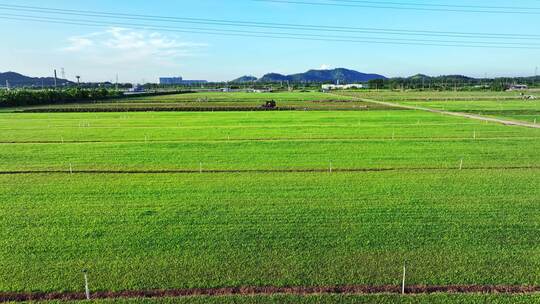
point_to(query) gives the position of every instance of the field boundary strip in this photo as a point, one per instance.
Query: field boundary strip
(299, 139)
(458, 114)
(224, 171)
(269, 290)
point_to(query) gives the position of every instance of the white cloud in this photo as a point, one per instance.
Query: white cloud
(78, 44)
(117, 45)
(325, 67)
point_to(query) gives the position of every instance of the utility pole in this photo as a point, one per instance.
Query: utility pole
(117, 81)
(55, 79)
(7, 84)
(78, 80)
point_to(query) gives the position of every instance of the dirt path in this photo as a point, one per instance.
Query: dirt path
(459, 114)
(235, 171)
(269, 290)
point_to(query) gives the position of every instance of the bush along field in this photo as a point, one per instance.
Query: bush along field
(248, 205)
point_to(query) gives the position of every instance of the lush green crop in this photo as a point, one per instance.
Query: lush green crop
(251, 141)
(216, 101)
(418, 95)
(267, 225)
(211, 230)
(525, 110)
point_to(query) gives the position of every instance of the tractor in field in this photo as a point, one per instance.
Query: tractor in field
(269, 105)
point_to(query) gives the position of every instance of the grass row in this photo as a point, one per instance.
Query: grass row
(265, 141)
(177, 231)
(268, 155)
(246, 125)
(518, 110)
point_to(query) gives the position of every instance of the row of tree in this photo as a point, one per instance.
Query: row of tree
(25, 97)
(457, 82)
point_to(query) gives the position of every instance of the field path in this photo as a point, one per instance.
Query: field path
(269, 290)
(459, 114)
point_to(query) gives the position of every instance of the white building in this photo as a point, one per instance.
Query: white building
(518, 87)
(328, 87)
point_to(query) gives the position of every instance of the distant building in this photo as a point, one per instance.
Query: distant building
(328, 87)
(136, 89)
(178, 81)
(518, 87)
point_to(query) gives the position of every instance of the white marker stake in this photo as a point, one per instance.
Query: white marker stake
(200, 167)
(86, 288)
(474, 135)
(461, 164)
(403, 282)
(70, 169)
(330, 167)
(62, 138)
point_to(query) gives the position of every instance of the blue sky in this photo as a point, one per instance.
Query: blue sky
(99, 53)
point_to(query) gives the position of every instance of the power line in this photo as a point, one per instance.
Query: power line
(401, 6)
(438, 5)
(294, 36)
(269, 33)
(235, 23)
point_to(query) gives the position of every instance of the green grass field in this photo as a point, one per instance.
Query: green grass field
(506, 105)
(521, 110)
(142, 209)
(218, 100)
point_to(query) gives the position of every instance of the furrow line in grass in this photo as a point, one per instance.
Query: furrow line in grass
(221, 171)
(270, 140)
(270, 290)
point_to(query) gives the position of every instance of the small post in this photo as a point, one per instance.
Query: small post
(70, 169)
(200, 167)
(86, 288)
(403, 282)
(461, 164)
(62, 138)
(474, 134)
(330, 167)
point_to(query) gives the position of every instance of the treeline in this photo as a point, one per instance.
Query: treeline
(444, 83)
(26, 97)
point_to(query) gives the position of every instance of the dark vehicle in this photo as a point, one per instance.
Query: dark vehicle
(269, 105)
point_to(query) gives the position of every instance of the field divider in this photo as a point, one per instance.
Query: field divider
(314, 139)
(223, 171)
(270, 290)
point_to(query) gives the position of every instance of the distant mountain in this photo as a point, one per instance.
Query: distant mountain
(419, 77)
(442, 77)
(245, 79)
(18, 80)
(342, 75)
(274, 77)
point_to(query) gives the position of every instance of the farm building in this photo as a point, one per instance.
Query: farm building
(517, 87)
